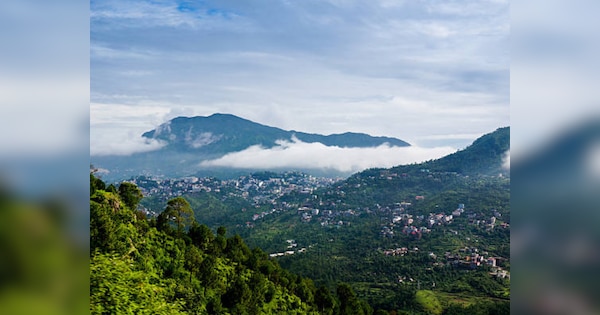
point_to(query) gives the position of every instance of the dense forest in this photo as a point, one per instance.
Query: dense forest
(172, 264)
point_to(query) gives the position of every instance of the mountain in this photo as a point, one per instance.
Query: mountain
(485, 156)
(190, 140)
(225, 133)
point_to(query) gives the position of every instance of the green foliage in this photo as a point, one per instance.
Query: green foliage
(142, 268)
(483, 157)
(130, 194)
(428, 302)
(96, 184)
(111, 223)
(178, 212)
(349, 303)
(480, 308)
(215, 274)
(324, 299)
(117, 288)
(201, 236)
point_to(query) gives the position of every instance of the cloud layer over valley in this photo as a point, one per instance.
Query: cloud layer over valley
(296, 154)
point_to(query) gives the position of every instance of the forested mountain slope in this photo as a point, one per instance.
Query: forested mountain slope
(173, 265)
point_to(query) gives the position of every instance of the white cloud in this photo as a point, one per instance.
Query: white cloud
(204, 138)
(117, 129)
(404, 69)
(298, 154)
(506, 160)
(143, 13)
(126, 146)
(42, 115)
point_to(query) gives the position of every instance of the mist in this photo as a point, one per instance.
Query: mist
(506, 160)
(298, 154)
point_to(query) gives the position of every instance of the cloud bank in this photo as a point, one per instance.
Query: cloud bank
(127, 146)
(302, 155)
(117, 129)
(506, 160)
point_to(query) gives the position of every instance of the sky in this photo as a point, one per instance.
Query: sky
(432, 73)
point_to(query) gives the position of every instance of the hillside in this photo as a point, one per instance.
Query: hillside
(224, 133)
(173, 265)
(403, 238)
(188, 141)
(485, 156)
(391, 233)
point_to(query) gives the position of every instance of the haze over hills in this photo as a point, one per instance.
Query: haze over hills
(189, 141)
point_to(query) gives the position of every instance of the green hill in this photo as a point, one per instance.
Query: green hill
(485, 156)
(173, 265)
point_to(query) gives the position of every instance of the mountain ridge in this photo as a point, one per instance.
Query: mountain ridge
(227, 133)
(486, 156)
(188, 141)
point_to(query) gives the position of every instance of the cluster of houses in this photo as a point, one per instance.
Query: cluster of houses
(325, 218)
(466, 258)
(471, 258)
(490, 223)
(290, 250)
(406, 221)
(256, 188)
(415, 231)
(263, 214)
(419, 224)
(400, 251)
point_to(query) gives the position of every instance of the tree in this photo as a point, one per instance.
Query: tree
(324, 300)
(111, 188)
(201, 236)
(96, 184)
(180, 212)
(236, 249)
(349, 303)
(130, 194)
(221, 231)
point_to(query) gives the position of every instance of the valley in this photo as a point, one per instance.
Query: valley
(392, 234)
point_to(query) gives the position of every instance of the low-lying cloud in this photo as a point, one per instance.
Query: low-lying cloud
(302, 155)
(116, 129)
(126, 146)
(506, 160)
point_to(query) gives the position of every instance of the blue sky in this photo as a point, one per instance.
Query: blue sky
(433, 73)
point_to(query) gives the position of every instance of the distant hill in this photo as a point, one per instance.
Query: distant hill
(485, 156)
(225, 133)
(191, 140)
